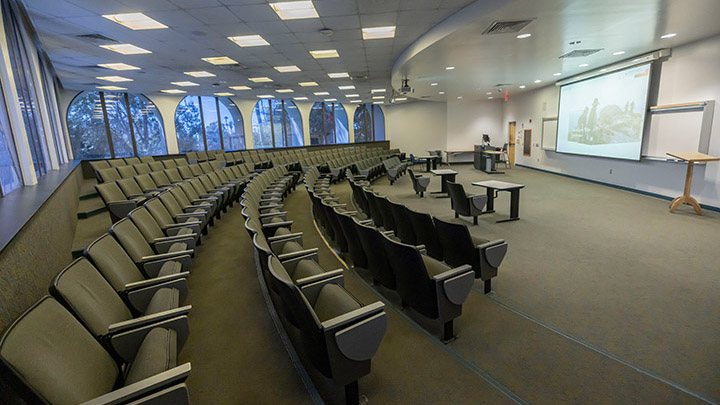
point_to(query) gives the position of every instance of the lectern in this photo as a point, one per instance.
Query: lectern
(691, 158)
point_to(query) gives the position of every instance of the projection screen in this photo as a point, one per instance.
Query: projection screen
(605, 115)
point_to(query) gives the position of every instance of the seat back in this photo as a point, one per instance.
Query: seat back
(173, 175)
(56, 357)
(110, 174)
(181, 162)
(131, 239)
(377, 260)
(82, 289)
(160, 178)
(127, 171)
(129, 187)
(161, 215)
(142, 168)
(386, 212)
(413, 282)
(113, 262)
(180, 196)
(457, 244)
(293, 300)
(185, 172)
(169, 163)
(146, 224)
(156, 166)
(357, 254)
(172, 205)
(110, 192)
(145, 182)
(196, 170)
(458, 198)
(116, 162)
(404, 229)
(146, 159)
(132, 161)
(425, 233)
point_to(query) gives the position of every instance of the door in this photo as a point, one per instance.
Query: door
(527, 142)
(511, 144)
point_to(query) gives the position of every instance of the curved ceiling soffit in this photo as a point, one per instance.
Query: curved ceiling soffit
(460, 19)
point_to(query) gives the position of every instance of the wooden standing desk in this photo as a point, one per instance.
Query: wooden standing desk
(691, 158)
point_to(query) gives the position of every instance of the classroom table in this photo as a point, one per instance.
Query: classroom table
(428, 159)
(691, 158)
(492, 187)
(446, 175)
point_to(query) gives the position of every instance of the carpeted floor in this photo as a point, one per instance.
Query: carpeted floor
(603, 297)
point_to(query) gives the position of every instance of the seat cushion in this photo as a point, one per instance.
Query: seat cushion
(306, 268)
(169, 268)
(177, 247)
(333, 301)
(185, 231)
(291, 247)
(157, 353)
(433, 266)
(163, 300)
(282, 231)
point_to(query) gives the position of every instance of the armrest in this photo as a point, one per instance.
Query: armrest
(278, 224)
(143, 387)
(312, 290)
(269, 206)
(310, 253)
(281, 214)
(362, 331)
(456, 283)
(166, 256)
(278, 242)
(174, 229)
(153, 266)
(493, 251)
(121, 208)
(140, 298)
(187, 215)
(155, 281)
(148, 319)
(319, 277)
(479, 201)
(205, 207)
(127, 344)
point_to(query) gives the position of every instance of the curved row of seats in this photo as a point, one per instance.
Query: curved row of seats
(339, 333)
(394, 168)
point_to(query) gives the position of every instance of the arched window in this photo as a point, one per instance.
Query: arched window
(369, 123)
(276, 124)
(138, 133)
(208, 123)
(328, 124)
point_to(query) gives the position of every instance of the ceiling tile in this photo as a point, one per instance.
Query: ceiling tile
(214, 15)
(254, 13)
(330, 8)
(378, 6)
(378, 20)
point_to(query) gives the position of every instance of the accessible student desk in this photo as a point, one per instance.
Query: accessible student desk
(691, 158)
(514, 189)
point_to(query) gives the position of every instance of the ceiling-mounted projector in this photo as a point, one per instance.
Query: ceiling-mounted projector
(405, 88)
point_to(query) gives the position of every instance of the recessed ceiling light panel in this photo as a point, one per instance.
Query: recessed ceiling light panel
(240, 87)
(670, 35)
(338, 75)
(346, 87)
(114, 78)
(174, 91)
(321, 93)
(260, 79)
(300, 98)
(327, 53)
(379, 32)
(184, 84)
(287, 69)
(245, 41)
(111, 88)
(118, 66)
(523, 36)
(266, 96)
(373, 91)
(224, 94)
(295, 10)
(125, 49)
(308, 84)
(220, 60)
(285, 90)
(135, 21)
(199, 73)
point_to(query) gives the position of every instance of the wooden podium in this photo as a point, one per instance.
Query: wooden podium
(691, 158)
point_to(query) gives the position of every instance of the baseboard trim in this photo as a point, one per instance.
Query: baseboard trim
(602, 183)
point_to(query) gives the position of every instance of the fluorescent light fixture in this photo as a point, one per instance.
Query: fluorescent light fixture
(285, 90)
(373, 91)
(224, 94)
(330, 99)
(583, 65)
(200, 73)
(240, 87)
(308, 84)
(618, 53)
(249, 40)
(125, 49)
(114, 78)
(670, 35)
(265, 96)
(433, 84)
(356, 101)
(557, 74)
(326, 53)
(321, 93)
(378, 102)
(459, 97)
(401, 99)
(135, 21)
(287, 69)
(441, 92)
(295, 10)
(346, 87)
(352, 95)
(118, 66)
(338, 75)
(379, 32)
(174, 91)
(260, 79)
(489, 93)
(450, 68)
(300, 98)
(111, 88)
(220, 60)
(185, 84)
(538, 81)
(522, 36)
(378, 97)
(522, 86)
(490, 98)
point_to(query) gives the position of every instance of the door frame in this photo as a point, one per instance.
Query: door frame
(511, 142)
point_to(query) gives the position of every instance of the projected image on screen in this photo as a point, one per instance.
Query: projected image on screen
(604, 116)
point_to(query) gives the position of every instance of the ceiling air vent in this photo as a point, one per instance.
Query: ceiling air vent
(579, 53)
(96, 37)
(503, 84)
(234, 66)
(507, 27)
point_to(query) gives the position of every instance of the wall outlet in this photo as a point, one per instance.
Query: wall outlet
(610, 171)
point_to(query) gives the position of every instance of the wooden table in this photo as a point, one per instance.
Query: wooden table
(691, 158)
(449, 153)
(446, 175)
(492, 187)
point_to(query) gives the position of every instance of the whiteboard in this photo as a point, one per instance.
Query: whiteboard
(549, 133)
(673, 132)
